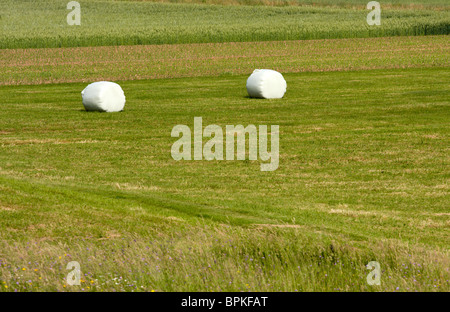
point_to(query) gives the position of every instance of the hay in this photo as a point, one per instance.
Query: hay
(103, 96)
(266, 84)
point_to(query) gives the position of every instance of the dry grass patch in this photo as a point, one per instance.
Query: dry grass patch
(86, 64)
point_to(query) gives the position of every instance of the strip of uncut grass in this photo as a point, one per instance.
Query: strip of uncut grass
(218, 258)
(37, 66)
(26, 24)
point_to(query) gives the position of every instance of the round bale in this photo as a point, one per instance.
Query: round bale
(103, 96)
(266, 84)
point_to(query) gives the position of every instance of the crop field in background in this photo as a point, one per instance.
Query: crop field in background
(26, 25)
(364, 147)
(441, 4)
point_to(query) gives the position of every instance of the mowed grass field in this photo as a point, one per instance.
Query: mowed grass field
(363, 173)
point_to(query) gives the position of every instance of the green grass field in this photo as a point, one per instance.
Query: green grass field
(363, 173)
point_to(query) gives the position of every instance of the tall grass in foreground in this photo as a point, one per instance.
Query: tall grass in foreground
(219, 258)
(25, 25)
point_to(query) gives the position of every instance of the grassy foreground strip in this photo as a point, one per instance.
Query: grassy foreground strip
(27, 24)
(218, 258)
(363, 175)
(38, 66)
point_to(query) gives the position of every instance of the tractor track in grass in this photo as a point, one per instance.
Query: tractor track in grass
(86, 64)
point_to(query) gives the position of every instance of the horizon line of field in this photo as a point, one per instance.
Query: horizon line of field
(120, 63)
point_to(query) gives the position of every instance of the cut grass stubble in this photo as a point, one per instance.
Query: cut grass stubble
(42, 66)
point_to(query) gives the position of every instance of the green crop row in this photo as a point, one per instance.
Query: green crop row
(26, 24)
(438, 4)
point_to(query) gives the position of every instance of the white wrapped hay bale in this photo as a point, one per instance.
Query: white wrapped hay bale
(103, 96)
(266, 84)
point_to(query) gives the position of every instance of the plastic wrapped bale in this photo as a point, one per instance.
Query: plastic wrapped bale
(266, 84)
(103, 96)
